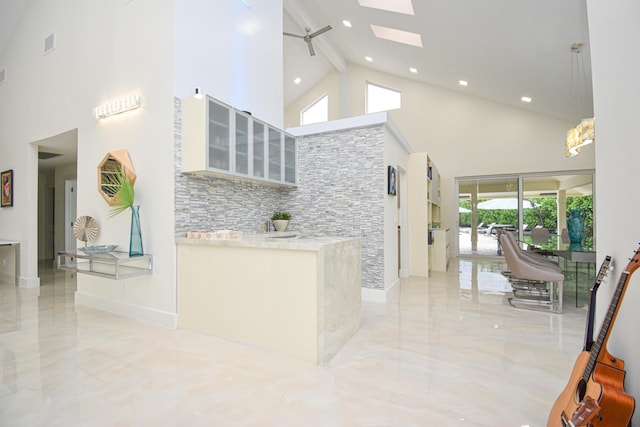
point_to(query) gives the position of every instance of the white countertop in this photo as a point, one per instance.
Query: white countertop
(274, 240)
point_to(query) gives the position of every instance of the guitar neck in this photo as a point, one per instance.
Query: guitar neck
(588, 334)
(603, 337)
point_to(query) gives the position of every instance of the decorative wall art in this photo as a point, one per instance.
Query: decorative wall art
(7, 188)
(391, 180)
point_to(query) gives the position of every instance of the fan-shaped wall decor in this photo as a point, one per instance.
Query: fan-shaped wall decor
(107, 171)
(85, 228)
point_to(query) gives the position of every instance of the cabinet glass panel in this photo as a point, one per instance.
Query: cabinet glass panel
(275, 159)
(242, 144)
(289, 159)
(219, 144)
(258, 149)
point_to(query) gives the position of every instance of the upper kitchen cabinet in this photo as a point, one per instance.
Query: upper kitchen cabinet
(221, 140)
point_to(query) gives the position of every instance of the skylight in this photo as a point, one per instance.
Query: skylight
(398, 36)
(399, 6)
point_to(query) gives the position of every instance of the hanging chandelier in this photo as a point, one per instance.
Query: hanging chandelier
(584, 133)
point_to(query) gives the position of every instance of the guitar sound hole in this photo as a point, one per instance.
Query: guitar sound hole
(581, 390)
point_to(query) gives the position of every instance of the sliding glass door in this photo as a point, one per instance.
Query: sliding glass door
(520, 204)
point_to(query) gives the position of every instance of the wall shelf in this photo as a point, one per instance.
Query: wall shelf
(112, 265)
(428, 243)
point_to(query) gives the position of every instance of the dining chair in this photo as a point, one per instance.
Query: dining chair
(534, 283)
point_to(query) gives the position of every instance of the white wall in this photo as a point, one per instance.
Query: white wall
(464, 135)
(614, 32)
(103, 50)
(396, 154)
(233, 53)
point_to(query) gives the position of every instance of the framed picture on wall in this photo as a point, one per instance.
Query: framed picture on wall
(7, 188)
(392, 179)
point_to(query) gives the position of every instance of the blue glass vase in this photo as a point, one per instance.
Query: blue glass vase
(575, 225)
(135, 239)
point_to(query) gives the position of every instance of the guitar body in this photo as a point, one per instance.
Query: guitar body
(616, 406)
(575, 391)
(606, 387)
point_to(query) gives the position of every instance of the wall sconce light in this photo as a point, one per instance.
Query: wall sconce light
(127, 103)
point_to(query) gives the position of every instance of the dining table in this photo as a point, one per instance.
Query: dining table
(576, 253)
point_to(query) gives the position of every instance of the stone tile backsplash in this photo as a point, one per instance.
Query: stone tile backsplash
(340, 192)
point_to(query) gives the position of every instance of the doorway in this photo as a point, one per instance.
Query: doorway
(57, 172)
(70, 213)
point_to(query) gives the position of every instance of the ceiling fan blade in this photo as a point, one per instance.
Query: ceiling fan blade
(293, 35)
(320, 31)
(312, 52)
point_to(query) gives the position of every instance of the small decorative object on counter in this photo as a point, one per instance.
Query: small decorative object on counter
(280, 220)
(215, 235)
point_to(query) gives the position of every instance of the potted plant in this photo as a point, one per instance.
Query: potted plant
(280, 220)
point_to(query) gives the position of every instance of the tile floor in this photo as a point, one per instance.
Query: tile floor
(444, 351)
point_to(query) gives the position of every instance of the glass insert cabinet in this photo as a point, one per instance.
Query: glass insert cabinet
(219, 139)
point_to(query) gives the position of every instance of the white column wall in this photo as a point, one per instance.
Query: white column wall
(396, 154)
(614, 32)
(233, 53)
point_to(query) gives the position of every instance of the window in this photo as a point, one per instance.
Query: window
(382, 99)
(316, 112)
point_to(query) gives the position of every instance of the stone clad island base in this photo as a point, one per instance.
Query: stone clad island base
(300, 297)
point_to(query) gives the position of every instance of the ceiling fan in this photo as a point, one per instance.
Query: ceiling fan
(307, 37)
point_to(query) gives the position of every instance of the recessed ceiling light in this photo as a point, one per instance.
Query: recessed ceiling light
(346, 23)
(368, 58)
(463, 82)
(526, 99)
(399, 6)
(413, 70)
(398, 36)
(297, 80)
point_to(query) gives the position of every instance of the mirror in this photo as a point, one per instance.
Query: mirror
(108, 169)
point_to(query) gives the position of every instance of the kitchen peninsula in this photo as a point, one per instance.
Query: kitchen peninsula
(298, 296)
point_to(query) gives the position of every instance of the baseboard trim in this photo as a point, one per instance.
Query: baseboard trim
(379, 295)
(29, 282)
(130, 311)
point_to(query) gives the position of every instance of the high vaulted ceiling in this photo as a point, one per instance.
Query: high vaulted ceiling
(505, 49)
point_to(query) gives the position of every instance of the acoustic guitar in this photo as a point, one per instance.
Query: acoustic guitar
(599, 375)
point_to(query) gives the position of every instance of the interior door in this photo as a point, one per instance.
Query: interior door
(70, 213)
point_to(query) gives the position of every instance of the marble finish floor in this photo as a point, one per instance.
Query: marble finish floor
(444, 351)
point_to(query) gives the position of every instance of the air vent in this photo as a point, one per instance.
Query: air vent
(3, 75)
(43, 155)
(49, 43)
